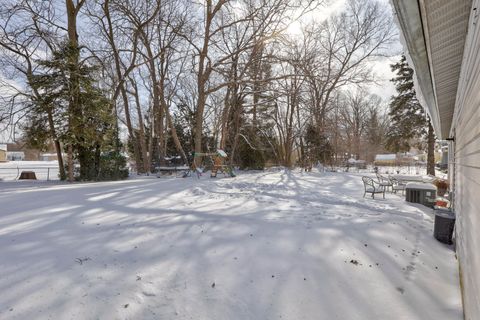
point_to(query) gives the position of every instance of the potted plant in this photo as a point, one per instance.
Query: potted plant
(442, 186)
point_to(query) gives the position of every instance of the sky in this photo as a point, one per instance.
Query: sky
(384, 88)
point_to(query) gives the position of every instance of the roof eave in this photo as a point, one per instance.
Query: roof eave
(409, 21)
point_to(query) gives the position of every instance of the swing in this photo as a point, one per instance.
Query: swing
(217, 160)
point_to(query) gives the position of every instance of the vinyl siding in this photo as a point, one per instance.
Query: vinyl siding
(466, 166)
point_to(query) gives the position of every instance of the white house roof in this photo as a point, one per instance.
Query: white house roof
(3, 147)
(385, 157)
(434, 33)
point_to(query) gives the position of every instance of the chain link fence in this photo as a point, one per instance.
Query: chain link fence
(11, 171)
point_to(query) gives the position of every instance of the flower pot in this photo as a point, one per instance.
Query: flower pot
(441, 192)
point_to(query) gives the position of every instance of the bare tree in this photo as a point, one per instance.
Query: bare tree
(340, 49)
(354, 115)
(289, 90)
(121, 25)
(263, 18)
(27, 33)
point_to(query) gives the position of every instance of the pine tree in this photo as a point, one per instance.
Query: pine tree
(407, 116)
(90, 128)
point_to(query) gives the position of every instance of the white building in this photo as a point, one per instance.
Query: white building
(15, 155)
(386, 157)
(442, 42)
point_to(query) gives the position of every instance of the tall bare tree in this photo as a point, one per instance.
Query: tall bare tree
(340, 49)
(28, 31)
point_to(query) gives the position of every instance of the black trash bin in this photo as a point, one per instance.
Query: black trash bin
(444, 223)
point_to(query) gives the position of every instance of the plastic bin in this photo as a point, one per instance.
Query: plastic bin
(444, 223)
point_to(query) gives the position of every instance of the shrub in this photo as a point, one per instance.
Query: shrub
(441, 184)
(113, 166)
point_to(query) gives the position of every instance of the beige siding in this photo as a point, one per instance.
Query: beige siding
(466, 174)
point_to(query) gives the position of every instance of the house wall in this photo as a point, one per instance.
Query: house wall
(3, 155)
(15, 155)
(466, 165)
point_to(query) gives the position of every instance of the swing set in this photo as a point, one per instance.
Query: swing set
(216, 161)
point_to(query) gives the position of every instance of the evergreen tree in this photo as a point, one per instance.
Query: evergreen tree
(407, 116)
(317, 145)
(90, 129)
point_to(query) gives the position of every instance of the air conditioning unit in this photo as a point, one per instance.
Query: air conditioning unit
(423, 193)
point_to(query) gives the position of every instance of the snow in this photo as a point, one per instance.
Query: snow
(385, 157)
(412, 178)
(421, 186)
(222, 153)
(44, 170)
(263, 245)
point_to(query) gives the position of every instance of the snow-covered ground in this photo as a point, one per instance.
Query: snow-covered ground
(44, 170)
(269, 245)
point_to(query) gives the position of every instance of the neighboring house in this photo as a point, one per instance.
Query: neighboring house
(360, 164)
(48, 157)
(15, 155)
(3, 152)
(442, 40)
(385, 159)
(399, 159)
(20, 152)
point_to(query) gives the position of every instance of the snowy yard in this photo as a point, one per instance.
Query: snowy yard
(44, 170)
(271, 245)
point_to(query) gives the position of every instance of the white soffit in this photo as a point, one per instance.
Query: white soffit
(434, 33)
(445, 24)
(408, 18)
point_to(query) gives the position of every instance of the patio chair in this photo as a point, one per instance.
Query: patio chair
(373, 187)
(397, 185)
(384, 181)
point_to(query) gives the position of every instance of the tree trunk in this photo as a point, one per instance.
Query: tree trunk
(224, 120)
(123, 91)
(175, 138)
(257, 77)
(301, 152)
(58, 148)
(202, 78)
(74, 103)
(237, 132)
(141, 129)
(289, 141)
(199, 120)
(131, 134)
(151, 142)
(158, 114)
